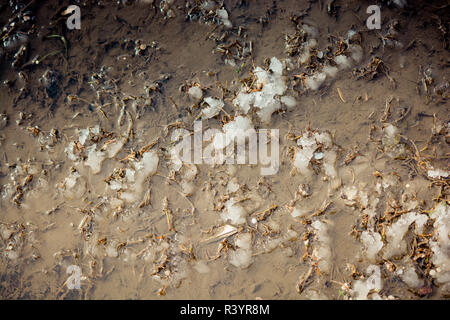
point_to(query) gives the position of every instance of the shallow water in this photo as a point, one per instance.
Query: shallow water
(160, 249)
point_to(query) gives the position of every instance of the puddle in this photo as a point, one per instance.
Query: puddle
(352, 205)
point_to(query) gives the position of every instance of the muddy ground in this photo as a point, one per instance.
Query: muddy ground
(126, 75)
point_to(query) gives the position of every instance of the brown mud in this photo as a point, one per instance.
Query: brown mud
(135, 63)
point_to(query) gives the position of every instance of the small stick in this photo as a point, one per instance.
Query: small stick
(340, 95)
(303, 279)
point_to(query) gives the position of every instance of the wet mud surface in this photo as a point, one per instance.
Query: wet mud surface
(357, 209)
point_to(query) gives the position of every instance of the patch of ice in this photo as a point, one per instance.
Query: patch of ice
(440, 245)
(215, 105)
(272, 85)
(330, 71)
(190, 172)
(195, 92)
(372, 244)
(234, 213)
(187, 187)
(276, 66)
(322, 249)
(356, 53)
(223, 15)
(69, 150)
(329, 163)
(242, 256)
(83, 134)
(361, 288)
(409, 276)
(395, 233)
(231, 131)
(233, 185)
(201, 267)
(391, 142)
(309, 143)
(438, 173)
(144, 168)
(297, 212)
(94, 159)
(342, 61)
(315, 81)
(289, 101)
(310, 30)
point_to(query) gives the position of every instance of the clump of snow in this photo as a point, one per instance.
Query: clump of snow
(354, 196)
(395, 233)
(113, 147)
(289, 101)
(342, 61)
(213, 109)
(231, 131)
(326, 71)
(187, 187)
(69, 150)
(330, 71)
(315, 81)
(5, 232)
(88, 133)
(356, 53)
(176, 160)
(312, 294)
(361, 288)
(242, 256)
(276, 66)
(391, 142)
(310, 142)
(322, 249)
(298, 212)
(310, 30)
(201, 267)
(440, 245)
(438, 173)
(143, 168)
(195, 92)
(234, 213)
(350, 195)
(190, 172)
(232, 185)
(266, 100)
(74, 185)
(409, 276)
(372, 244)
(111, 249)
(94, 159)
(329, 163)
(223, 15)
(306, 48)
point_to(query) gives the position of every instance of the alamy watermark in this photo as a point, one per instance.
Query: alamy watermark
(74, 20)
(374, 20)
(227, 147)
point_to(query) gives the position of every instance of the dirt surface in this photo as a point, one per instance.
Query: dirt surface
(126, 73)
